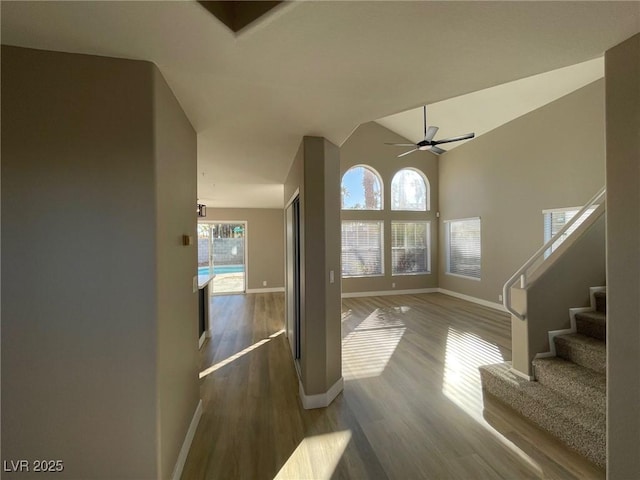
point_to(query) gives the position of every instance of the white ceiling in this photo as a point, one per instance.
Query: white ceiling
(486, 109)
(320, 68)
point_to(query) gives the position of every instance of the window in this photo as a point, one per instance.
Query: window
(410, 191)
(361, 249)
(557, 218)
(361, 189)
(463, 247)
(410, 248)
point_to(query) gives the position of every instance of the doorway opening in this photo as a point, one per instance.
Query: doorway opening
(222, 252)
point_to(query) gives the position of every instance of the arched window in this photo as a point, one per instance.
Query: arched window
(410, 191)
(361, 189)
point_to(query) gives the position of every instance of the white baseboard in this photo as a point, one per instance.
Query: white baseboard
(468, 298)
(389, 292)
(323, 399)
(186, 445)
(565, 331)
(265, 290)
(520, 374)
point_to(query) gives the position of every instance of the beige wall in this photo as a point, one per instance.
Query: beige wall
(83, 341)
(366, 146)
(178, 388)
(622, 69)
(563, 285)
(265, 242)
(552, 157)
(315, 172)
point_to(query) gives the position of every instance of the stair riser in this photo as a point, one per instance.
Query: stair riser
(590, 443)
(572, 389)
(601, 302)
(594, 359)
(591, 329)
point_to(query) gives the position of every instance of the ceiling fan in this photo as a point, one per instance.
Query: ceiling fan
(429, 143)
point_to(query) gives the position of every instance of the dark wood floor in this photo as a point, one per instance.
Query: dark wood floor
(412, 406)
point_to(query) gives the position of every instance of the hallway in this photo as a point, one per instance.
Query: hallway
(412, 405)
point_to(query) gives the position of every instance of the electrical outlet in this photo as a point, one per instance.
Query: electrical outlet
(264, 283)
(393, 285)
(499, 298)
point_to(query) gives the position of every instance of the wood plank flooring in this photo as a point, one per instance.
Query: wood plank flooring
(412, 406)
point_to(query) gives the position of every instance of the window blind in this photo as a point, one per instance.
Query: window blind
(463, 247)
(362, 248)
(410, 248)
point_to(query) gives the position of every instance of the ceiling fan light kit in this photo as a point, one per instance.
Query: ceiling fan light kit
(428, 143)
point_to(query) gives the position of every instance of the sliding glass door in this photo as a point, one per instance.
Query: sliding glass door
(222, 252)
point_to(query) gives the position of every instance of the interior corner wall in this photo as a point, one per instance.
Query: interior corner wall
(265, 243)
(78, 263)
(98, 369)
(622, 73)
(178, 386)
(550, 158)
(314, 173)
(323, 322)
(366, 146)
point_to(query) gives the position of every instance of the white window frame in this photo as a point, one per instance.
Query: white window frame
(378, 176)
(381, 223)
(427, 246)
(427, 186)
(447, 224)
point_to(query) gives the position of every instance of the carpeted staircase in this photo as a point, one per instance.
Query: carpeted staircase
(568, 398)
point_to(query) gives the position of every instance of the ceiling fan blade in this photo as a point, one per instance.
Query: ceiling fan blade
(407, 153)
(401, 144)
(430, 133)
(437, 150)
(454, 139)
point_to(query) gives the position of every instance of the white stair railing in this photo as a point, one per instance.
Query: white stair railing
(523, 274)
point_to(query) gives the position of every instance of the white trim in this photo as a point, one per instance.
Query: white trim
(461, 219)
(466, 277)
(202, 338)
(562, 210)
(565, 331)
(265, 290)
(479, 301)
(186, 445)
(380, 181)
(389, 292)
(521, 375)
(427, 187)
(292, 198)
(321, 400)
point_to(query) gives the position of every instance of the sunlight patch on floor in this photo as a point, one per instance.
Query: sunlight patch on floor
(316, 457)
(465, 352)
(241, 353)
(367, 350)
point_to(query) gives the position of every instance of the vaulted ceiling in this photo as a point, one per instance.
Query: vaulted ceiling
(321, 68)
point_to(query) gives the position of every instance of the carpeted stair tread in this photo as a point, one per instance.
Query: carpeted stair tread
(573, 381)
(586, 351)
(592, 324)
(580, 428)
(601, 301)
